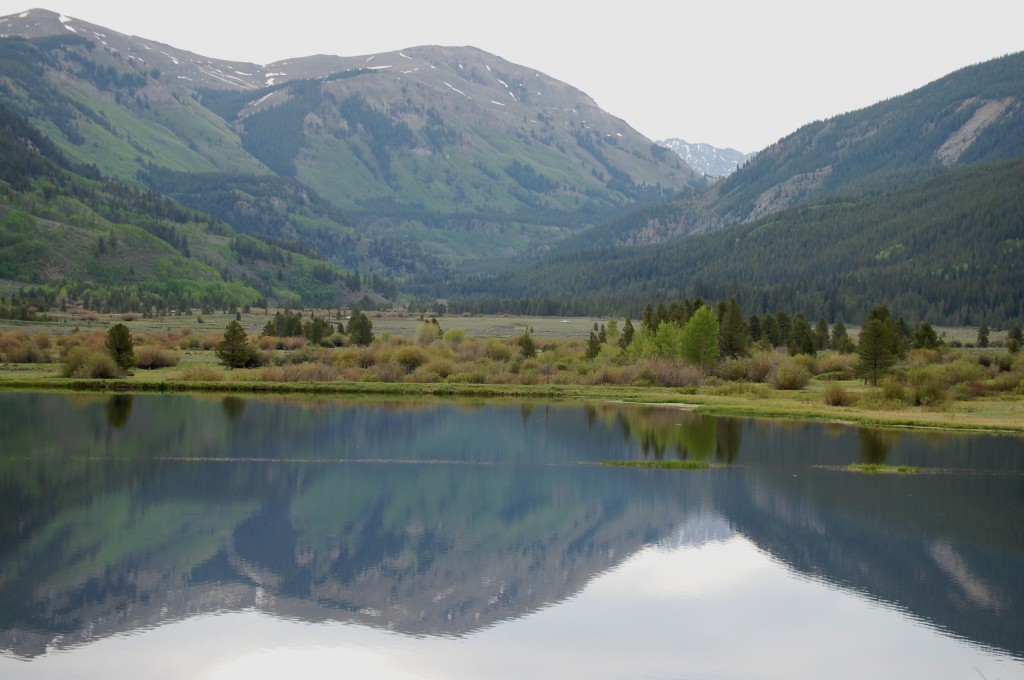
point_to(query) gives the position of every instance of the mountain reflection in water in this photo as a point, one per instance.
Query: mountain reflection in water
(446, 518)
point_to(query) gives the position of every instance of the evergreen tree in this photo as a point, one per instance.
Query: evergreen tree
(527, 345)
(593, 346)
(754, 326)
(983, 332)
(121, 346)
(840, 341)
(360, 328)
(803, 337)
(925, 336)
(733, 331)
(627, 334)
(874, 350)
(821, 334)
(771, 330)
(234, 349)
(785, 329)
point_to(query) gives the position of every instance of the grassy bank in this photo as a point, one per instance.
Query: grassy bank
(952, 389)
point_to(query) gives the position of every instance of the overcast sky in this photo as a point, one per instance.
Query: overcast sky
(738, 74)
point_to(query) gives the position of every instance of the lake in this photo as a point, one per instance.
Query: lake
(170, 536)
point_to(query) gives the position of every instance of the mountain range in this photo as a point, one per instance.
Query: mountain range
(707, 159)
(179, 180)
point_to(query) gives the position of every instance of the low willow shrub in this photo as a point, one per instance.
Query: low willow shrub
(82, 362)
(791, 374)
(305, 372)
(17, 347)
(837, 395)
(151, 357)
(741, 389)
(202, 373)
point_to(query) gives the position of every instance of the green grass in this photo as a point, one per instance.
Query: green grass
(658, 464)
(882, 469)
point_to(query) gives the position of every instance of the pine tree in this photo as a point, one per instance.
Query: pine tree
(360, 328)
(733, 331)
(121, 346)
(874, 350)
(234, 349)
(983, 335)
(627, 334)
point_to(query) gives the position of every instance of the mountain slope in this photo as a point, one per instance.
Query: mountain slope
(973, 115)
(453, 152)
(707, 159)
(948, 250)
(116, 247)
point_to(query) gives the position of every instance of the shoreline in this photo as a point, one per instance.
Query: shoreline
(783, 406)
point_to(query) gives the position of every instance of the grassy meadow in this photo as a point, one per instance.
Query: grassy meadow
(952, 388)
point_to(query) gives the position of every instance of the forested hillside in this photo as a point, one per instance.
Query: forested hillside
(76, 237)
(948, 250)
(395, 163)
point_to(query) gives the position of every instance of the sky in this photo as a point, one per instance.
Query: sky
(733, 73)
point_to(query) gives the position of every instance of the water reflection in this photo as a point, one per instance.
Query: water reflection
(405, 518)
(119, 409)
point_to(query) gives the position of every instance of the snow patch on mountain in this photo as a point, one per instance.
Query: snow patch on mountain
(706, 159)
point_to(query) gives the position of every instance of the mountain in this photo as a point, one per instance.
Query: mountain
(430, 156)
(914, 202)
(706, 159)
(973, 115)
(946, 250)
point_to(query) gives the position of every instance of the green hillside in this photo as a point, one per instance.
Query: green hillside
(948, 250)
(81, 238)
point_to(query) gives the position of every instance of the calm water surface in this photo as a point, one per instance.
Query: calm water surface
(202, 537)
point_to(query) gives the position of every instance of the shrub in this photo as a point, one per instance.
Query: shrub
(82, 362)
(734, 369)
(836, 366)
(17, 348)
(440, 367)
(928, 393)
(792, 374)
(742, 389)
(498, 351)
(455, 336)
(308, 372)
(669, 373)
(202, 373)
(893, 391)
(760, 365)
(837, 395)
(150, 356)
(411, 357)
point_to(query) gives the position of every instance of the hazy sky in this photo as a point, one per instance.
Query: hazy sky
(736, 73)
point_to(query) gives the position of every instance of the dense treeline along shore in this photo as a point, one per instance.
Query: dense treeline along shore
(884, 371)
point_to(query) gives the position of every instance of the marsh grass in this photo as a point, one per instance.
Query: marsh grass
(658, 464)
(882, 469)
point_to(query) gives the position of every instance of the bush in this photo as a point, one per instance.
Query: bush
(17, 348)
(411, 357)
(734, 369)
(455, 336)
(202, 373)
(760, 365)
(893, 391)
(669, 373)
(837, 395)
(498, 351)
(792, 374)
(308, 372)
(82, 362)
(150, 357)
